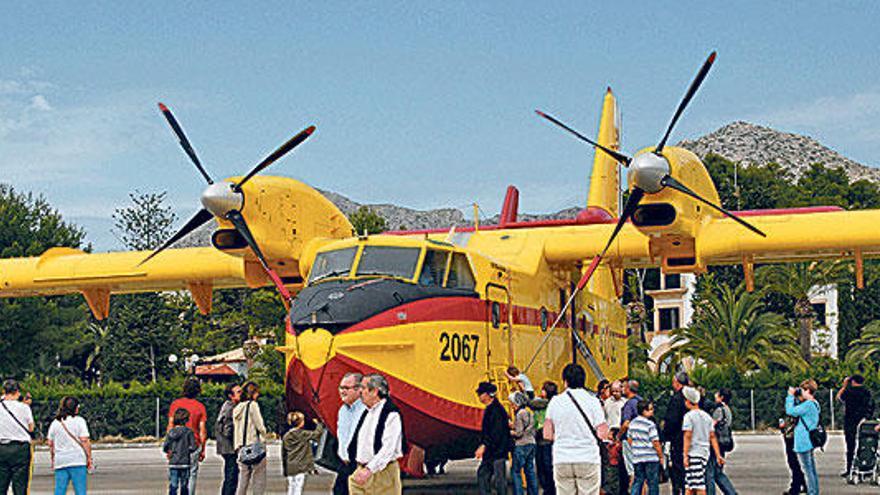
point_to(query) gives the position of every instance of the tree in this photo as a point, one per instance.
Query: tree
(797, 281)
(35, 326)
(146, 223)
(867, 346)
(367, 220)
(732, 331)
(143, 329)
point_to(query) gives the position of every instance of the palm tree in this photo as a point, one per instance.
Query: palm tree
(731, 331)
(799, 281)
(867, 345)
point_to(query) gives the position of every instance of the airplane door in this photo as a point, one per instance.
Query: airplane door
(499, 332)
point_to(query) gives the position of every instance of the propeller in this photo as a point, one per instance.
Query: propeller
(620, 157)
(226, 200)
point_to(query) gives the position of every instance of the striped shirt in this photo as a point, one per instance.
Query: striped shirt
(643, 432)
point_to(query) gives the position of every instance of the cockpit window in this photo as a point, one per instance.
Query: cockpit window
(332, 264)
(434, 268)
(460, 274)
(389, 260)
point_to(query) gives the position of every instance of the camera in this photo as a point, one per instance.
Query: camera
(798, 392)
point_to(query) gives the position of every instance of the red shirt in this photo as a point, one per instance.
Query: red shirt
(197, 415)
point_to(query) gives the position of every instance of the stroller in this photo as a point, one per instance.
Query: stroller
(866, 461)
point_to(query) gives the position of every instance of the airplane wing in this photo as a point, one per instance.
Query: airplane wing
(96, 276)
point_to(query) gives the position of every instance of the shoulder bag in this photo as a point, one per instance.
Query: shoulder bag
(724, 434)
(250, 453)
(14, 418)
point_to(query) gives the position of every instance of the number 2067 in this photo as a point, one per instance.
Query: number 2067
(457, 347)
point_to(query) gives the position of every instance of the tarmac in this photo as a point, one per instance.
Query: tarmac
(756, 466)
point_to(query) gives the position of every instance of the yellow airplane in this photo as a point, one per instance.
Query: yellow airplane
(439, 311)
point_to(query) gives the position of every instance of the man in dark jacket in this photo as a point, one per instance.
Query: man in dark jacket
(223, 432)
(672, 433)
(858, 405)
(495, 442)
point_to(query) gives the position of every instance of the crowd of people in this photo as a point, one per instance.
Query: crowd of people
(568, 441)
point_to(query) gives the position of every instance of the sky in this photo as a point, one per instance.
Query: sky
(421, 104)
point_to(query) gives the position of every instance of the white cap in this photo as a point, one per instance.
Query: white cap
(691, 394)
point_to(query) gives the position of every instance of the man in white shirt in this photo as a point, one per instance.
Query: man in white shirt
(614, 404)
(16, 425)
(349, 413)
(576, 459)
(377, 442)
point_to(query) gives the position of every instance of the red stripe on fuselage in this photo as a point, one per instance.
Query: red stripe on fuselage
(451, 309)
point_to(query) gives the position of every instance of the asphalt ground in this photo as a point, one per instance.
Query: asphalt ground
(756, 466)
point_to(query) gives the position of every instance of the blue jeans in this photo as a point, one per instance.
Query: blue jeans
(524, 459)
(72, 474)
(808, 466)
(178, 478)
(715, 474)
(646, 472)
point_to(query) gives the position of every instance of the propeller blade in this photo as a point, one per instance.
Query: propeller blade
(687, 99)
(195, 222)
(669, 181)
(184, 142)
(632, 203)
(620, 157)
(281, 151)
(241, 226)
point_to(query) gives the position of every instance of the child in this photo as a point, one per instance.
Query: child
(179, 445)
(647, 453)
(296, 450)
(520, 381)
(699, 436)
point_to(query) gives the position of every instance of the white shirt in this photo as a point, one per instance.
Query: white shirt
(346, 422)
(572, 439)
(9, 429)
(67, 452)
(392, 439)
(613, 409)
(526, 383)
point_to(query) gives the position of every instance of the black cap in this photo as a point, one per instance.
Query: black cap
(486, 388)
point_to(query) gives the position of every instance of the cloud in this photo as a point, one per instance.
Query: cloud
(64, 139)
(39, 102)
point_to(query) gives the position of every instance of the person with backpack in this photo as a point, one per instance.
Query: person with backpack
(724, 434)
(179, 446)
(807, 414)
(69, 448)
(223, 433)
(543, 447)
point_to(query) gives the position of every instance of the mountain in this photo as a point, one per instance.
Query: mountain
(739, 141)
(754, 144)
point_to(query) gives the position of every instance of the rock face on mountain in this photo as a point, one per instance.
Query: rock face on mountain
(753, 144)
(740, 141)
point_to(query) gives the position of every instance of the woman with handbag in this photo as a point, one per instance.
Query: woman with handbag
(69, 448)
(723, 419)
(807, 414)
(249, 432)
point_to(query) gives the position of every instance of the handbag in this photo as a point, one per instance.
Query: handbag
(724, 435)
(818, 435)
(250, 453)
(92, 468)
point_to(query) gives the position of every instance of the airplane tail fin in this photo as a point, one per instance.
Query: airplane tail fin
(604, 190)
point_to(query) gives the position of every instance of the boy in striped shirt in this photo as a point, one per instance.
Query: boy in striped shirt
(647, 454)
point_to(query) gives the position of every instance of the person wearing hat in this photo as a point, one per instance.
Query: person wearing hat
(672, 433)
(699, 436)
(495, 442)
